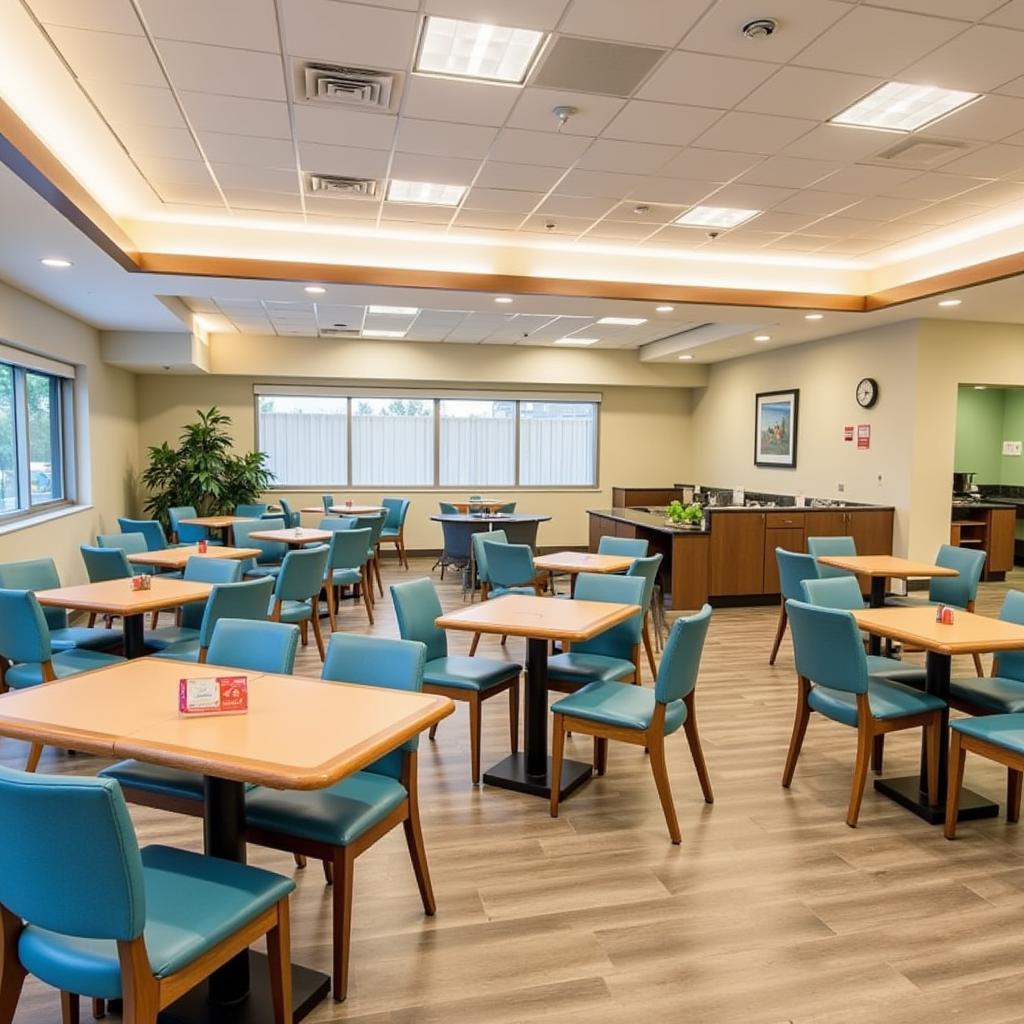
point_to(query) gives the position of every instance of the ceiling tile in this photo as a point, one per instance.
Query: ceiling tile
(407, 213)
(656, 214)
(934, 186)
(220, 69)
(878, 42)
(1015, 87)
(349, 33)
(866, 179)
(851, 246)
(593, 66)
(441, 169)
(948, 212)
(800, 21)
(174, 172)
(330, 126)
(990, 119)
(196, 195)
(464, 102)
(165, 143)
(523, 147)
(346, 161)
(619, 231)
(501, 200)
(747, 238)
(704, 80)
(818, 204)
(841, 226)
(247, 24)
(775, 221)
(643, 121)
(136, 104)
(896, 231)
(233, 115)
(749, 197)
(488, 219)
(245, 149)
(659, 22)
(978, 60)
(788, 172)
(562, 225)
(593, 113)
(440, 138)
(807, 92)
(257, 199)
(598, 183)
(516, 13)
(577, 206)
(1012, 15)
(966, 10)
(528, 177)
(672, 190)
(840, 142)
(108, 56)
(996, 193)
(672, 237)
(634, 157)
(800, 242)
(886, 208)
(265, 179)
(709, 165)
(99, 15)
(339, 206)
(989, 162)
(754, 133)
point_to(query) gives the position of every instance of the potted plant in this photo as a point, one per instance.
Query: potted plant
(203, 471)
(679, 514)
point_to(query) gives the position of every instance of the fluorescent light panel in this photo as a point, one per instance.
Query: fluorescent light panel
(425, 192)
(55, 262)
(715, 217)
(469, 49)
(393, 310)
(902, 107)
(623, 321)
(384, 334)
(577, 341)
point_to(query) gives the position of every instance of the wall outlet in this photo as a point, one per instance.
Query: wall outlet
(1013, 447)
(841, 487)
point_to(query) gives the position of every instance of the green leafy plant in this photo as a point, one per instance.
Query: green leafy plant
(203, 471)
(684, 514)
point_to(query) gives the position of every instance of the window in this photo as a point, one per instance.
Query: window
(305, 438)
(478, 443)
(46, 465)
(392, 442)
(558, 443)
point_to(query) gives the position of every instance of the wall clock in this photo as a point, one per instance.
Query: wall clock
(867, 392)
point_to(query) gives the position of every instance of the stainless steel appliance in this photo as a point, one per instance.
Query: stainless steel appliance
(963, 484)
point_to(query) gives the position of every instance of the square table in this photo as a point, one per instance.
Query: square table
(343, 510)
(226, 524)
(177, 558)
(298, 734)
(575, 562)
(968, 634)
(294, 537)
(116, 597)
(540, 620)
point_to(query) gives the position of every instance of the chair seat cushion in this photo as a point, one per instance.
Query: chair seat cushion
(183, 650)
(192, 904)
(993, 693)
(337, 815)
(293, 611)
(580, 667)
(85, 638)
(390, 531)
(619, 704)
(345, 577)
(66, 663)
(257, 571)
(501, 591)
(158, 639)
(887, 700)
(893, 668)
(1006, 731)
(154, 778)
(468, 673)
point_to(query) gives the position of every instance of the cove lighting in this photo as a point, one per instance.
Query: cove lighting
(762, 337)
(715, 217)
(502, 299)
(383, 334)
(949, 303)
(902, 107)
(664, 309)
(426, 192)
(53, 261)
(469, 49)
(394, 310)
(577, 341)
(814, 316)
(623, 321)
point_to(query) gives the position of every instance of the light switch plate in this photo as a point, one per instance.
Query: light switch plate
(1013, 447)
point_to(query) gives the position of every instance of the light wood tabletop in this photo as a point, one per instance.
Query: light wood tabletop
(888, 566)
(343, 510)
(116, 597)
(177, 558)
(968, 633)
(582, 561)
(215, 522)
(294, 537)
(482, 503)
(539, 617)
(299, 733)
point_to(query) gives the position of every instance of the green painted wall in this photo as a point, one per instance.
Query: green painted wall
(979, 433)
(1012, 466)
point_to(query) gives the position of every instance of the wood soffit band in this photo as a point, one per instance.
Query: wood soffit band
(23, 153)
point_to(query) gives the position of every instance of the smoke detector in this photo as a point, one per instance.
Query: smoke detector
(562, 115)
(760, 28)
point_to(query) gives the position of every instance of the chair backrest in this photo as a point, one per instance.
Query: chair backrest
(416, 607)
(839, 545)
(291, 517)
(634, 547)
(397, 510)
(253, 510)
(96, 892)
(185, 532)
(133, 543)
(647, 569)
(151, 529)
(957, 590)
(794, 568)
(35, 574)
(348, 549)
(302, 574)
(838, 592)
(620, 640)
(480, 554)
(447, 508)
(270, 550)
(378, 661)
(1010, 664)
(508, 508)
(680, 661)
(105, 564)
(24, 635)
(457, 540)
(339, 523)
(248, 599)
(375, 524)
(207, 570)
(827, 647)
(254, 646)
(328, 500)
(510, 565)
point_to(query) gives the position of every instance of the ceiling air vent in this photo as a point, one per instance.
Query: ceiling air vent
(352, 188)
(355, 86)
(338, 332)
(920, 152)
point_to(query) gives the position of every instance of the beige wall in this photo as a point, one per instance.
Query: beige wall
(109, 449)
(644, 440)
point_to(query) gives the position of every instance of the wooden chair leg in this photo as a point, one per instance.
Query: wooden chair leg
(69, 1008)
(648, 647)
(656, 741)
(600, 754)
(860, 774)
(474, 737)
(504, 640)
(35, 752)
(12, 974)
(779, 633)
(344, 863)
(318, 635)
(304, 633)
(878, 753)
(418, 853)
(367, 597)
(955, 780)
(154, 619)
(279, 966)
(99, 1009)
(933, 739)
(513, 716)
(332, 602)
(978, 667)
(432, 734)
(402, 557)
(300, 861)
(1013, 791)
(474, 643)
(92, 620)
(803, 714)
(696, 751)
(376, 573)
(328, 867)
(557, 753)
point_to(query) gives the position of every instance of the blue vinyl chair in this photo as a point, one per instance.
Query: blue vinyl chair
(333, 523)
(252, 511)
(188, 533)
(393, 531)
(41, 574)
(288, 514)
(999, 738)
(375, 524)
(611, 656)
(328, 500)
(77, 917)
(835, 546)
(509, 569)
(151, 529)
(507, 509)
(629, 547)
(833, 679)
(607, 710)
(470, 679)
(347, 567)
(272, 552)
(296, 596)
(447, 508)
(199, 570)
(794, 568)
(337, 824)
(106, 563)
(647, 570)
(131, 543)
(480, 556)
(27, 657)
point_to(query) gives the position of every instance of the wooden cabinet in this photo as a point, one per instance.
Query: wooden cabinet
(789, 538)
(641, 497)
(600, 527)
(1002, 526)
(871, 529)
(737, 553)
(825, 523)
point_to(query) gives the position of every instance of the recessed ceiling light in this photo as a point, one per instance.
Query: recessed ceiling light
(577, 341)
(980, 387)
(623, 321)
(393, 310)
(425, 192)
(383, 334)
(664, 309)
(314, 289)
(469, 49)
(902, 107)
(715, 217)
(762, 337)
(814, 316)
(502, 298)
(686, 357)
(53, 261)
(947, 303)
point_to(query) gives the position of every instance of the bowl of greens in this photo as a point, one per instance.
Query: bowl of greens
(678, 514)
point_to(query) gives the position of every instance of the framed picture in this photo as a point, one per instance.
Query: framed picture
(775, 426)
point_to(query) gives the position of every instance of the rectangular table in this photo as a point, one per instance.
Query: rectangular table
(344, 510)
(116, 597)
(575, 562)
(177, 558)
(226, 524)
(540, 620)
(968, 634)
(294, 537)
(298, 734)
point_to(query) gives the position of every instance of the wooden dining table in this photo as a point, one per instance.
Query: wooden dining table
(540, 620)
(573, 563)
(177, 558)
(343, 510)
(298, 733)
(224, 524)
(294, 537)
(967, 634)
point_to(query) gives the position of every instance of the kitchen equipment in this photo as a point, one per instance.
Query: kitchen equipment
(963, 483)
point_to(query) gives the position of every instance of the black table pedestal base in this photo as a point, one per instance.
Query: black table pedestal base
(308, 989)
(907, 793)
(511, 774)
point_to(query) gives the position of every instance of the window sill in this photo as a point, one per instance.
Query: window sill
(40, 518)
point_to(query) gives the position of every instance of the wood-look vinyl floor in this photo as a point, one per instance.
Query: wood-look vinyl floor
(771, 910)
